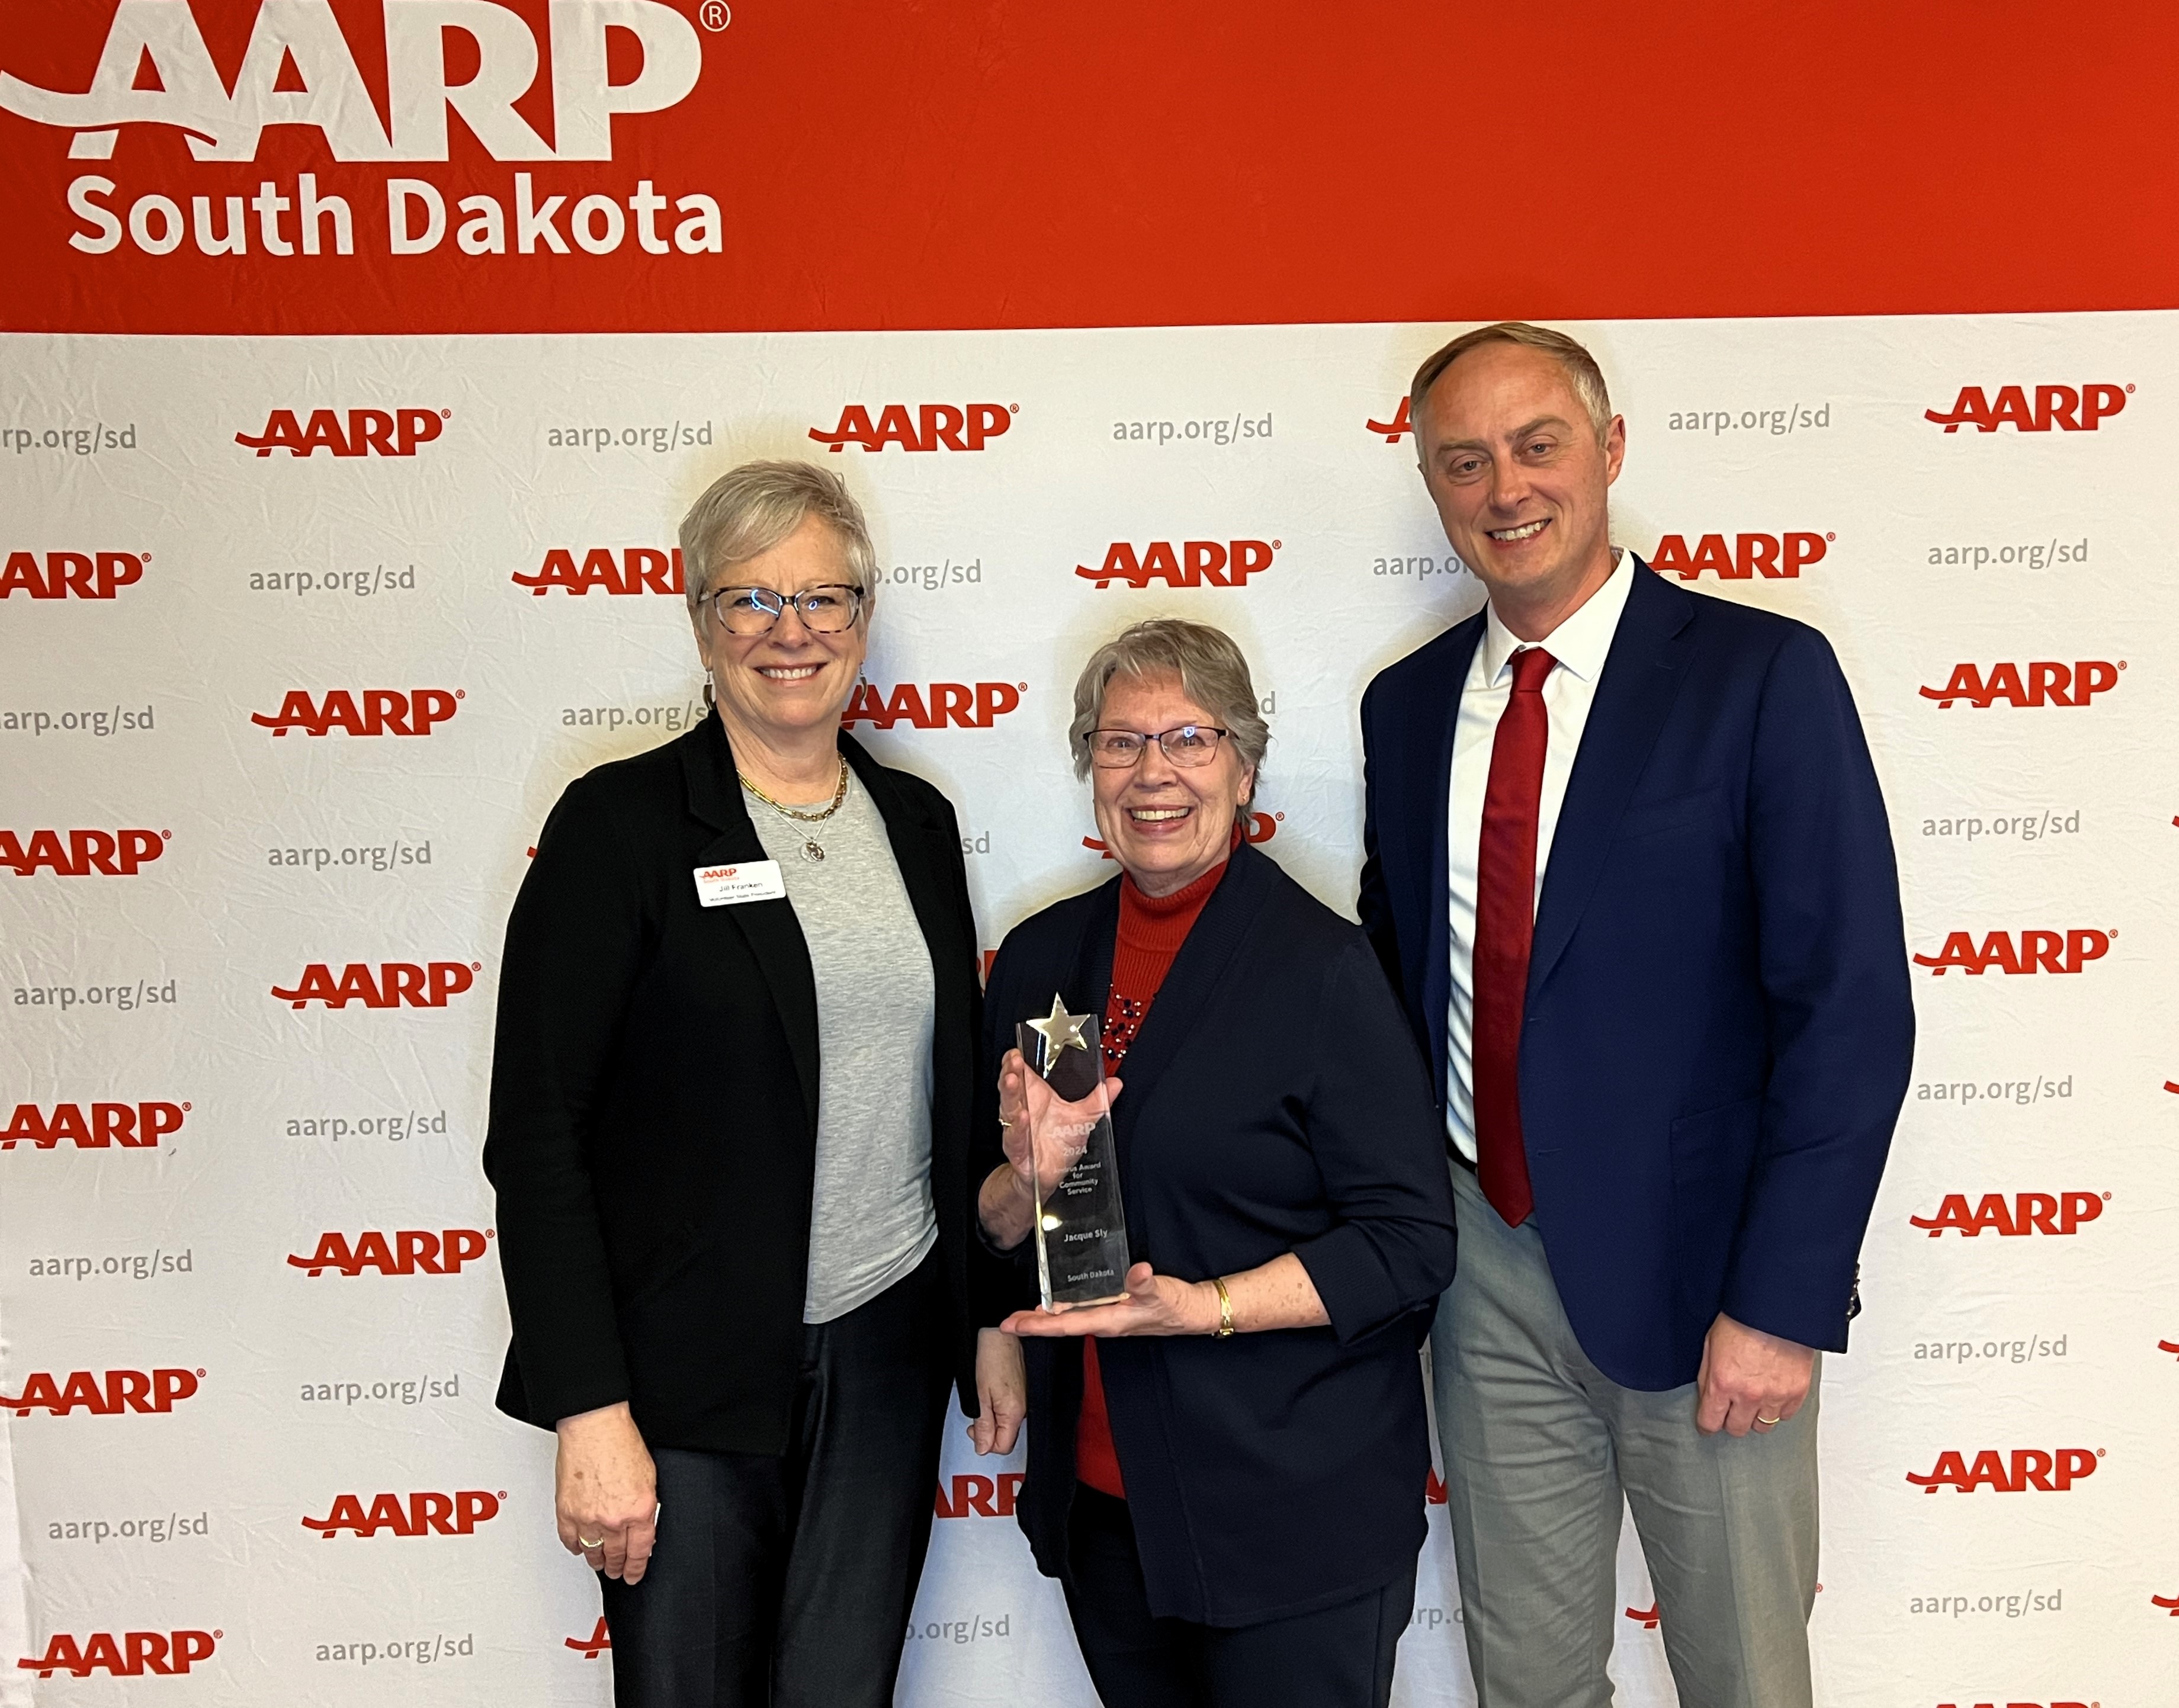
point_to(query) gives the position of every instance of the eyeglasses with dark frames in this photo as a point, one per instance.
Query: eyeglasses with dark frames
(1119, 750)
(829, 609)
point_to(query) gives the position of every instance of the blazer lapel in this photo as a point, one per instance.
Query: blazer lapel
(770, 928)
(1437, 967)
(1642, 675)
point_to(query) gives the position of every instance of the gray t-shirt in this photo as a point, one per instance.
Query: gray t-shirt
(871, 1219)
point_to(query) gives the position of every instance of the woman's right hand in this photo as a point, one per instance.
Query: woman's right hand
(1044, 1134)
(1001, 1392)
(605, 1495)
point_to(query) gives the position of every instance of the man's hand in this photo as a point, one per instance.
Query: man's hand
(1749, 1379)
(1002, 1392)
(606, 1492)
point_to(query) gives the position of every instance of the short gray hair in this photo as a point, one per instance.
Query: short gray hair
(749, 509)
(1212, 673)
(1582, 372)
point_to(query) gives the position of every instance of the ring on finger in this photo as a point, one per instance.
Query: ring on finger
(1766, 1422)
(588, 1543)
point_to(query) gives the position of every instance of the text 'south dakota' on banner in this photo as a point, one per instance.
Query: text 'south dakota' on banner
(211, 148)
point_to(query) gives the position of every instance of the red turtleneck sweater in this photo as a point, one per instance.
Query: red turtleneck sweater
(1152, 929)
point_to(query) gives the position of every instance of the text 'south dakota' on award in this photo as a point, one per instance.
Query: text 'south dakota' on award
(1081, 1229)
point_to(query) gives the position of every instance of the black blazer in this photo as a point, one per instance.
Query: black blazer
(1273, 1101)
(654, 1101)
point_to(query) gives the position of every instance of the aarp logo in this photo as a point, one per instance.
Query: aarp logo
(78, 853)
(405, 1251)
(918, 427)
(111, 1393)
(389, 984)
(2024, 1469)
(630, 569)
(1188, 563)
(1396, 429)
(962, 705)
(359, 433)
(2026, 1213)
(123, 1654)
(99, 1127)
(363, 711)
(79, 574)
(1779, 557)
(183, 89)
(2047, 682)
(2069, 409)
(2017, 953)
(425, 1513)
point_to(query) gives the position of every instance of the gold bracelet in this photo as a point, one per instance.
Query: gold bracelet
(1225, 1330)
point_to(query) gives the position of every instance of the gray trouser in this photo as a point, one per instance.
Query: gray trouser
(1540, 1447)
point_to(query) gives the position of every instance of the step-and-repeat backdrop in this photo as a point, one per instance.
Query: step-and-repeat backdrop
(300, 637)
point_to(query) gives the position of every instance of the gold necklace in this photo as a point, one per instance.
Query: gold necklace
(810, 849)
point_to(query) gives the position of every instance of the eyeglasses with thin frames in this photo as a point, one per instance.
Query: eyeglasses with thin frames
(1189, 744)
(829, 609)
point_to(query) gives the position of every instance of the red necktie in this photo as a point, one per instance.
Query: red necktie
(1505, 924)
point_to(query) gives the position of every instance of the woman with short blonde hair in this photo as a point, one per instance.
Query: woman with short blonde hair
(730, 1095)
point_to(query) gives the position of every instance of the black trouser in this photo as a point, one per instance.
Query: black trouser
(1338, 1657)
(787, 1581)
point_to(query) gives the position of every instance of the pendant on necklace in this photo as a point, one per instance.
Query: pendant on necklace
(810, 851)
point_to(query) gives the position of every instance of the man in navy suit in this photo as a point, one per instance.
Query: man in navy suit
(1628, 864)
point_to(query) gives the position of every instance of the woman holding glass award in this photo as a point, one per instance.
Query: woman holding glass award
(730, 1096)
(1222, 1129)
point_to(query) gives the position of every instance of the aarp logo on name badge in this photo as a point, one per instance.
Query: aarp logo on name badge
(752, 880)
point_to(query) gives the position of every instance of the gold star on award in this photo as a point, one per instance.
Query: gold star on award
(1060, 1031)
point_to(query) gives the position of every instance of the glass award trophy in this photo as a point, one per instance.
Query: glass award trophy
(1081, 1229)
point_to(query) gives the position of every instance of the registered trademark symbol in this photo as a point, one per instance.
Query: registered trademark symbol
(2121, 664)
(476, 966)
(200, 1372)
(220, 1634)
(1831, 536)
(715, 15)
(1014, 407)
(1023, 686)
(187, 1107)
(2106, 1197)
(1277, 544)
(147, 557)
(461, 693)
(502, 1494)
(2100, 1452)
(168, 834)
(446, 415)
(490, 1232)
(1280, 816)
(2129, 386)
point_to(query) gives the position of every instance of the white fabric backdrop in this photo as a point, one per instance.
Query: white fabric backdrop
(266, 577)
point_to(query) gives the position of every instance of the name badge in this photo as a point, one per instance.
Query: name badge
(727, 887)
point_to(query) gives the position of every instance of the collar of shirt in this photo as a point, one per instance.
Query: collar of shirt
(1580, 644)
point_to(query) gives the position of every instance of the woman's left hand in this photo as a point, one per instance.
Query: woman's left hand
(1154, 1304)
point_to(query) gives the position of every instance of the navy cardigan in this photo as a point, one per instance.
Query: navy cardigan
(1274, 1100)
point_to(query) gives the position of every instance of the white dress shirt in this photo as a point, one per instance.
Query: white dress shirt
(1580, 645)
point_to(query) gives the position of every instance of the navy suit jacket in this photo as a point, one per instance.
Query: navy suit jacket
(1273, 1101)
(1719, 1032)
